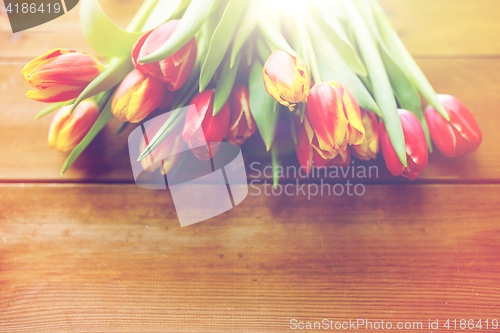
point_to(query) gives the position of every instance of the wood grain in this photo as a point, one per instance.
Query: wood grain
(112, 258)
(427, 27)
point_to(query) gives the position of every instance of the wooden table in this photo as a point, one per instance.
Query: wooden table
(92, 252)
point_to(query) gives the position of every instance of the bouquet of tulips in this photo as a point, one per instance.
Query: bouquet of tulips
(334, 70)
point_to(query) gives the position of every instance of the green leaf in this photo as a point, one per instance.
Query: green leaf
(333, 68)
(247, 26)
(262, 49)
(193, 19)
(273, 36)
(122, 127)
(103, 119)
(275, 158)
(263, 107)
(225, 84)
(104, 36)
(221, 39)
(170, 124)
(381, 86)
(114, 74)
(404, 90)
(163, 11)
(51, 108)
(337, 36)
(396, 46)
(250, 47)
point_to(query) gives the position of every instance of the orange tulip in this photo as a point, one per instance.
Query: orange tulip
(60, 75)
(335, 119)
(66, 131)
(241, 124)
(370, 146)
(174, 70)
(137, 96)
(286, 79)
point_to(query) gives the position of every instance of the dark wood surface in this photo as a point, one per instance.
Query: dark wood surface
(91, 252)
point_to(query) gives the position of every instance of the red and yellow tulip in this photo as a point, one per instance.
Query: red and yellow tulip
(137, 96)
(370, 146)
(66, 131)
(286, 79)
(335, 119)
(241, 123)
(60, 75)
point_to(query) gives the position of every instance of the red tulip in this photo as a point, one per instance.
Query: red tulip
(308, 156)
(175, 69)
(305, 151)
(416, 147)
(335, 119)
(137, 96)
(66, 131)
(286, 79)
(369, 148)
(167, 152)
(204, 132)
(458, 136)
(60, 75)
(241, 123)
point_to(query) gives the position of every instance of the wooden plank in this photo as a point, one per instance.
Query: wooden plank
(427, 27)
(26, 155)
(63, 32)
(112, 258)
(446, 27)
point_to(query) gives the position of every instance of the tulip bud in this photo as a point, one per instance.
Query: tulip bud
(415, 143)
(370, 147)
(174, 70)
(286, 79)
(458, 136)
(241, 123)
(60, 75)
(66, 131)
(335, 119)
(203, 131)
(166, 154)
(305, 151)
(137, 96)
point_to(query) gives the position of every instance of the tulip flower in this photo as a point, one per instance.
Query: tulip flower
(241, 123)
(60, 75)
(286, 79)
(174, 70)
(67, 130)
(203, 131)
(458, 136)
(305, 151)
(309, 157)
(370, 146)
(137, 96)
(415, 143)
(166, 154)
(335, 119)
